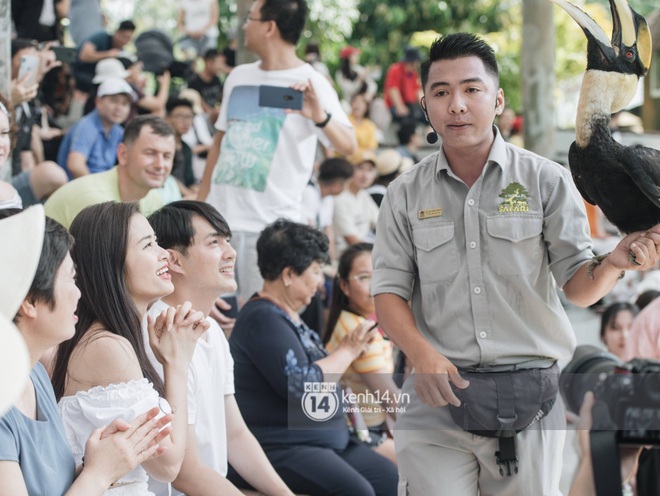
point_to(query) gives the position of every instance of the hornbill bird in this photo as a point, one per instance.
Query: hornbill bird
(624, 181)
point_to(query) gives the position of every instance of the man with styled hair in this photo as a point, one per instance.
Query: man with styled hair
(201, 264)
(478, 236)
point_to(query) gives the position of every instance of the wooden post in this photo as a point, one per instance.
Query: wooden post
(5, 48)
(538, 79)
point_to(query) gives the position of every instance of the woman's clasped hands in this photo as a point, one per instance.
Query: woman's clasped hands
(173, 334)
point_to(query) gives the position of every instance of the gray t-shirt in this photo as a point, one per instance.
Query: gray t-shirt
(39, 446)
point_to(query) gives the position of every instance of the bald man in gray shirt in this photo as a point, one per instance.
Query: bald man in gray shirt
(477, 237)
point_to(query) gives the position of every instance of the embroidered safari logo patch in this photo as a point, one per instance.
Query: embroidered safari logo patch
(514, 199)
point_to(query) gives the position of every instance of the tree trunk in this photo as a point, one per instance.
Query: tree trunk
(538, 80)
(5, 48)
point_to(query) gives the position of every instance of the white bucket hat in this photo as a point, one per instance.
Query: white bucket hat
(23, 236)
(115, 86)
(109, 68)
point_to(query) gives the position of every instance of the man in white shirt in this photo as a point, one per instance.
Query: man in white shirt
(267, 155)
(202, 267)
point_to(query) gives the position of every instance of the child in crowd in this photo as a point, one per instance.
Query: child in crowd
(351, 305)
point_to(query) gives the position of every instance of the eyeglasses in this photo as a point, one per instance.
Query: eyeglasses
(181, 117)
(362, 278)
(248, 18)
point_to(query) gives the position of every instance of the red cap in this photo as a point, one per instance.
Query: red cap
(347, 51)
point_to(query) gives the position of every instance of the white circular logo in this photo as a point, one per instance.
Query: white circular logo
(320, 403)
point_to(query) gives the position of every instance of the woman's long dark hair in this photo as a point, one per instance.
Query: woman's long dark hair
(99, 252)
(339, 300)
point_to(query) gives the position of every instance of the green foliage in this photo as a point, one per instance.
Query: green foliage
(228, 24)
(386, 26)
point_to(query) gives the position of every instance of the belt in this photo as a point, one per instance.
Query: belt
(531, 364)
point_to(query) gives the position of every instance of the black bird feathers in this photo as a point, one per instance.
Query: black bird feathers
(624, 181)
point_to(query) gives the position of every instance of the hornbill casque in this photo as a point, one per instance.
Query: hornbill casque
(624, 181)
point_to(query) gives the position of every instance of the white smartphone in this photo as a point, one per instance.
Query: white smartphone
(30, 67)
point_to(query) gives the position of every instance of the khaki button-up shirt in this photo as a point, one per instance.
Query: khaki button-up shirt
(481, 264)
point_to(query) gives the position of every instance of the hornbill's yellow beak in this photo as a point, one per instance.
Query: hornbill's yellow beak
(628, 51)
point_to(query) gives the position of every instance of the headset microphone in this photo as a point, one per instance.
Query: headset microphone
(432, 137)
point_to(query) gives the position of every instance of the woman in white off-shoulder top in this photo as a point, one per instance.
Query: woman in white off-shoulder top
(103, 372)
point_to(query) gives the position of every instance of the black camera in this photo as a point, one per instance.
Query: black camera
(627, 394)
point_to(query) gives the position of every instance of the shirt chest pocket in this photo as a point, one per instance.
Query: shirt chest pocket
(515, 244)
(437, 256)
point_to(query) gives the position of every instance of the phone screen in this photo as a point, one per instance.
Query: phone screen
(280, 97)
(65, 54)
(29, 67)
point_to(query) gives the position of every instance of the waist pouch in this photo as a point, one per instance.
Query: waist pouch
(501, 404)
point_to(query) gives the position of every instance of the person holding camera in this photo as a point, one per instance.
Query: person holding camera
(583, 484)
(618, 424)
(34, 178)
(477, 236)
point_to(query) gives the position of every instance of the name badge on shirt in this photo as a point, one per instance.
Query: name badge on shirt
(430, 213)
